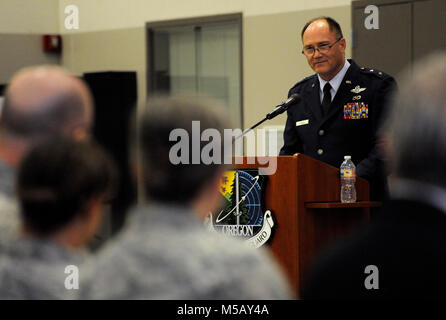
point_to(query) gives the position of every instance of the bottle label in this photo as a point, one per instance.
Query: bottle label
(348, 173)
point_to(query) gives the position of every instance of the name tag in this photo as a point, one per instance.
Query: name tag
(302, 123)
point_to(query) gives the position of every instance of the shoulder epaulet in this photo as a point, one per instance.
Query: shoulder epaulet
(303, 81)
(374, 72)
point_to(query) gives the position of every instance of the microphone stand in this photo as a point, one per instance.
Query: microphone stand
(250, 129)
(281, 108)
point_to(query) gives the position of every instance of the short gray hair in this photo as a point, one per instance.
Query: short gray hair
(62, 114)
(176, 183)
(417, 125)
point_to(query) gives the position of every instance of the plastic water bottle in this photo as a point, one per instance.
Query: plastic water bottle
(348, 178)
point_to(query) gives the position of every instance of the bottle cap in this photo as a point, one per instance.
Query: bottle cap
(347, 157)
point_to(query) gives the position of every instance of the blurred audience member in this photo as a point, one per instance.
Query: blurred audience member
(40, 103)
(165, 252)
(61, 187)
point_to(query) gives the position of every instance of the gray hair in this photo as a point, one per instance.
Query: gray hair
(417, 125)
(62, 114)
(163, 180)
(45, 101)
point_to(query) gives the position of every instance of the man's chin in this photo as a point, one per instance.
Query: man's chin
(320, 71)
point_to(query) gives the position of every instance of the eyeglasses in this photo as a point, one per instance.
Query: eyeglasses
(323, 48)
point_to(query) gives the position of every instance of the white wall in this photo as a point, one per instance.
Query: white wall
(111, 36)
(98, 15)
(29, 16)
(22, 24)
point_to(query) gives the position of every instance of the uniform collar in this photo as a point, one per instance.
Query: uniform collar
(335, 82)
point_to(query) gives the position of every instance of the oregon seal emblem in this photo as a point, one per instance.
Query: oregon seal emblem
(243, 214)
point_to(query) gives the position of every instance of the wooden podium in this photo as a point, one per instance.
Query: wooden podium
(304, 197)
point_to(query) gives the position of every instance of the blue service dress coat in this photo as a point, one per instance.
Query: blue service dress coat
(349, 127)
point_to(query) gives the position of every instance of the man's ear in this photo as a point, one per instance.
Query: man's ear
(215, 188)
(79, 134)
(209, 198)
(93, 210)
(92, 217)
(343, 44)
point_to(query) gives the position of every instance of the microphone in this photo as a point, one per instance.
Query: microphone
(281, 108)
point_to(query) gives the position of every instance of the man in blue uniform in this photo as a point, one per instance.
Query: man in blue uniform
(341, 109)
(402, 253)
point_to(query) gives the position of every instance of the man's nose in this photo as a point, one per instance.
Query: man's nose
(316, 53)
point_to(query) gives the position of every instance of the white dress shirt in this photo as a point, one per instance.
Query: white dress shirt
(335, 82)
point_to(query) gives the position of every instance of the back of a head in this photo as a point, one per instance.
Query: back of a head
(58, 178)
(166, 124)
(43, 102)
(416, 129)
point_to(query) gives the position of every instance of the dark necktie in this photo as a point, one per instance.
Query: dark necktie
(326, 101)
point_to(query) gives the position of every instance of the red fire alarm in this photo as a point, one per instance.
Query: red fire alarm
(52, 43)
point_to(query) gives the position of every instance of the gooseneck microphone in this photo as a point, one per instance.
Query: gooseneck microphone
(281, 108)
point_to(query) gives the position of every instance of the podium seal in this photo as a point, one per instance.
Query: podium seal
(243, 214)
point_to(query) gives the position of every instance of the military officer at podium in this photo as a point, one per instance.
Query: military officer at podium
(341, 109)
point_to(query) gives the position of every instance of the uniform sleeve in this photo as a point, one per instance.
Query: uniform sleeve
(373, 163)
